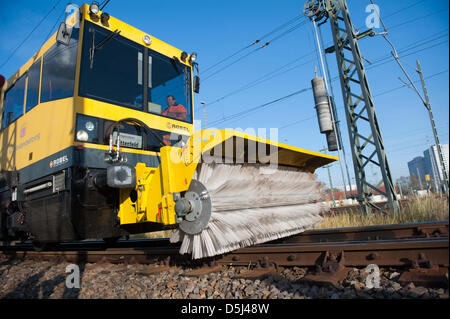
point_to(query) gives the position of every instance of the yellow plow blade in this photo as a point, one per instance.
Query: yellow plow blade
(230, 146)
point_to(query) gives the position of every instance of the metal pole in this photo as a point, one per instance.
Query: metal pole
(433, 168)
(204, 114)
(331, 186)
(324, 150)
(330, 105)
(362, 122)
(338, 133)
(433, 126)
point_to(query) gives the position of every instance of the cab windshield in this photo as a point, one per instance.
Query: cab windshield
(119, 71)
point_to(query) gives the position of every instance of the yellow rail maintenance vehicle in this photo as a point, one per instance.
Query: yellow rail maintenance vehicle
(97, 142)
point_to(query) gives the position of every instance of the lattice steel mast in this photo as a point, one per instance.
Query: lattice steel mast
(364, 132)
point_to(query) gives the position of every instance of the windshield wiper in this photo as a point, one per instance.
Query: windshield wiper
(174, 62)
(100, 45)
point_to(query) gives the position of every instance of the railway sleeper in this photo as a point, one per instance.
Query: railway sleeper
(329, 269)
(261, 269)
(424, 272)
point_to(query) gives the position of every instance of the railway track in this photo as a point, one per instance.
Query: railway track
(396, 252)
(386, 245)
(378, 232)
(419, 249)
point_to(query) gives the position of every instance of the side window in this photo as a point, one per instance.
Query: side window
(58, 70)
(13, 103)
(169, 88)
(34, 75)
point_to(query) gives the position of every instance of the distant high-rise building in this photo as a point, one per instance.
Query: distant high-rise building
(432, 163)
(417, 167)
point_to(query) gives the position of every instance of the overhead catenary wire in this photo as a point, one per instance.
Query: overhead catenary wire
(274, 73)
(375, 63)
(401, 141)
(103, 4)
(29, 34)
(53, 27)
(312, 117)
(372, 67)
(297, 122)
(380, 63)
(412, 46)
(442, 10)
(267, 43)
(259, 107)
(394, 51)
(404, 8)
(404, 85)
(313, 49)
(424, 99)
(230, 64)
(262, 80)
(420, 130)
(252, 44)
(401, 10)
(263, 106)
(387, 59)
(377, 94)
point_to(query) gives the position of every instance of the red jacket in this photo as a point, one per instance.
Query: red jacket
(176, 111)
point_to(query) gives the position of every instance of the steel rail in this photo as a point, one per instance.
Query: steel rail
(397, 252)
(377, 232)
(364, 233)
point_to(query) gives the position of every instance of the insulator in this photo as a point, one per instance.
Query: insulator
(332, 141)
(322, 105)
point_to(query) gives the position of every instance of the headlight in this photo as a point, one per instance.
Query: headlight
(82, 136)
(93, 8)
(87, 129)
(121, 176)
(89, 126)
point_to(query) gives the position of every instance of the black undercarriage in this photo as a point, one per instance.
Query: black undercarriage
(72, 204)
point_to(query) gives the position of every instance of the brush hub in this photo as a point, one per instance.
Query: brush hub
(195, 208)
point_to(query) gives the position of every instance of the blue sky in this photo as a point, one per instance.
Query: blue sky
(217, 29)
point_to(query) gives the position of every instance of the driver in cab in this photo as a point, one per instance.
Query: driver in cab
(174, 110)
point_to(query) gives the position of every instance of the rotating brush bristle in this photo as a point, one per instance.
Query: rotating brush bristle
(253, 204)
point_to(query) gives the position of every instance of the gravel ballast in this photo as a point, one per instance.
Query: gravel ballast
(42, 279)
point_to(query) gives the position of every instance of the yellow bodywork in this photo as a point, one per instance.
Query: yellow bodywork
(50, 127)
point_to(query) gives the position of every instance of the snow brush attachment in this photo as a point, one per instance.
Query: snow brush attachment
(232, 206)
